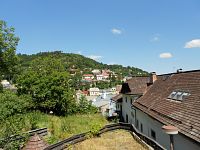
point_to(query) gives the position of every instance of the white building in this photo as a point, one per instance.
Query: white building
(5, 84)
(96, 71)
(171, 99)
(88, 77)
(100, 77)
(94, 91)
(105, 105)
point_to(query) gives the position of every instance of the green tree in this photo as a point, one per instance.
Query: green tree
(8, 44)
(49, 85)
(11, 104)
(12, 109)
(85, 106)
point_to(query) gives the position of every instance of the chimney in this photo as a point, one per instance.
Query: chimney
(152, 78)
(179, 70)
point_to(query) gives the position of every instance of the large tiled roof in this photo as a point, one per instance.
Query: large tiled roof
(183, 114)
(117, 98)
(135, 85)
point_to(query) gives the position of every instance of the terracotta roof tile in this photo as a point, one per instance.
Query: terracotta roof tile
(135, 85)
(182, 114)
(117, 97)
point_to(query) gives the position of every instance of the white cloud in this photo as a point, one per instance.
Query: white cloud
(116, 31)
(155, 38)
(95, 57)
(165, 55)
(79, 52)
(192, 44)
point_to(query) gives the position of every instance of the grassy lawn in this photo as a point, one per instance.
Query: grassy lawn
(64, 127)
(113, 140)
(59, 128)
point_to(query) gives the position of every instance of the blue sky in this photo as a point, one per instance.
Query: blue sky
(154, 35)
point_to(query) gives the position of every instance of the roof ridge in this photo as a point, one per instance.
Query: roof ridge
(172, 73)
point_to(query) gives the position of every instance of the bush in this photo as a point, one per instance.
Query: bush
(11, 104)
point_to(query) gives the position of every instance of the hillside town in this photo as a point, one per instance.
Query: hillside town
(99, 75)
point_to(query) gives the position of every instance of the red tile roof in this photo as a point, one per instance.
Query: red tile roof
(135, 85)
(85, 92)
(117, 98)
(88, 75)
(185, 114)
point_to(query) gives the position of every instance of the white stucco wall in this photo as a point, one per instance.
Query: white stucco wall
(127, 108)
(181, 142)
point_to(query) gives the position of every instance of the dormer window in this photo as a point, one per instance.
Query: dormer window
(178, 95)
(172, 95)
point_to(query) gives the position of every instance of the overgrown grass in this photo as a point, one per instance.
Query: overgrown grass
(113, 140)
(59, 128)
(64, 127)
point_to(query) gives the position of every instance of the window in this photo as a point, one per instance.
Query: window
(126, 99)
(132, 114)
(141, 127)
(137, 124)
(184, 95)
(178, 95)
(153, 134)
(172, 95)
(131, 101)
(126, 118)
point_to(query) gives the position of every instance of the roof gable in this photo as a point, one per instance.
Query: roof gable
(183, 114)
(135, 85)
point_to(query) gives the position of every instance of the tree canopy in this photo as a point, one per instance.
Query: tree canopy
(8, 44)
(49, 85)
(81, 63)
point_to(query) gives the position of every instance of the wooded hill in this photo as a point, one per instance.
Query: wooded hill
(80, 63)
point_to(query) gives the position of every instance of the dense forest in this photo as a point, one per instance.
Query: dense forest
(80, 62)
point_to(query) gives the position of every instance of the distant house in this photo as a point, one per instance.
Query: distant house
(117, 99)
(80, 93)
(5, 84)
(99, 77)
(85, 93)
(105, 75)
(88, 77)
(118, 88)
(73, 71)
(104, 104)
(96, 71)
(94, 92)
(169, 99)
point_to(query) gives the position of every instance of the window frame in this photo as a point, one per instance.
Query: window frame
(153, 134)
(141, 127)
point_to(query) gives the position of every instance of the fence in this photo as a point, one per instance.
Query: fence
(41, 132)
(141, 138)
